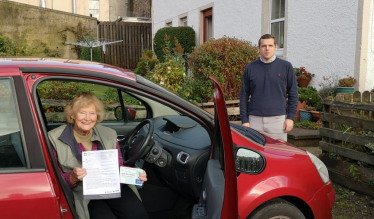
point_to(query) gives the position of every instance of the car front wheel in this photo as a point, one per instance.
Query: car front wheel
(277, 209)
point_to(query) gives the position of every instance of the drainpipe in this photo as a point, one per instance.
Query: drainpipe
(74, 7)
(42, 3)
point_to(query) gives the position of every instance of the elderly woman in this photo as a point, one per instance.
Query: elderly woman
(83, 133)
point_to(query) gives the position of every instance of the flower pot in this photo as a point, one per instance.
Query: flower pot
(303, 81)
(315, 115)
(305, 116)
(300, 105)
(344, 90)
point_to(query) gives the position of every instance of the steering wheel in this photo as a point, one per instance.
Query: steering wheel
(138, 145)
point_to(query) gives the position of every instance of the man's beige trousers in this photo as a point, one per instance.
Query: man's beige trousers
(272, 125)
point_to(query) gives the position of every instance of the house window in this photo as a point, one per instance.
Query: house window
(277, 14)
(183, 21)
(208, 24)
(94, 8)
(169, 24)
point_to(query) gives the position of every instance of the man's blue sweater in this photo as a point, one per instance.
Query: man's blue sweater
(268, 84)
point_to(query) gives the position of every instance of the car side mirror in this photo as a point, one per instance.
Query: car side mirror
(249, 161)
(131, 113)
(118, 113)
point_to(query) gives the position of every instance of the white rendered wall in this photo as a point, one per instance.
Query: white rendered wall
(235, 18)
(321, 36)
(369, 85)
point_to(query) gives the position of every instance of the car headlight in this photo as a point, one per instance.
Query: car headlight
(320, 166)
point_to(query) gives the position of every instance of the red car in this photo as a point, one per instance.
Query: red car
(198, 165)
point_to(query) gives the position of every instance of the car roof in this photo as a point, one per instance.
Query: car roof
(58, 65)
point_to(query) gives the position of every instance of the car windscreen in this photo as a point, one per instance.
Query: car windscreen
(148, 83)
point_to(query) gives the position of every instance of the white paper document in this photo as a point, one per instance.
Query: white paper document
(129, 175)
(102, 179)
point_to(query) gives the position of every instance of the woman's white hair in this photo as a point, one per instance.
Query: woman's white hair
(83, 100)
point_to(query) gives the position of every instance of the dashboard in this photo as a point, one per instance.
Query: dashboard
(180, 153)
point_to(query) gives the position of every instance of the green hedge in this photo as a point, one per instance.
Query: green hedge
(185, 36)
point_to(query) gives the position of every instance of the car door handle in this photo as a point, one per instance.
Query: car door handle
(63, 211)
(120, 137)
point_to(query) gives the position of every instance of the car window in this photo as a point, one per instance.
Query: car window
(54, 95)
(11, 146)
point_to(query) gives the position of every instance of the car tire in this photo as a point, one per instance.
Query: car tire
(277, 209)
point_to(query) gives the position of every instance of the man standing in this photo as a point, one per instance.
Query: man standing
(269, 81)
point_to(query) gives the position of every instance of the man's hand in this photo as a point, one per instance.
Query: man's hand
(246, 124)
(288, 125)
(77, 174)
(143, 176)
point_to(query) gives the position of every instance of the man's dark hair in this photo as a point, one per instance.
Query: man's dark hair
(267, 36)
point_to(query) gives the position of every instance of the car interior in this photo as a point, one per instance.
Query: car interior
(174, 151)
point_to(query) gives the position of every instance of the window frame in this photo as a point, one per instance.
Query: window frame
(22, 136)
(98, 10)
(202, 29)
(101, 83)
(208, 13)
(169, 22)
(279, 51)
(183, 22)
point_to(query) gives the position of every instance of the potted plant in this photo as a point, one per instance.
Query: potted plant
(345, 85)
(303, 77)
(310, 96)
(315, 113)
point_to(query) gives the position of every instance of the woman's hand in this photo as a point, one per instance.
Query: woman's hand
(143, 176)
(77, 175)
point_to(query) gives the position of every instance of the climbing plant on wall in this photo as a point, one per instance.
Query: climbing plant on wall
(79, 32)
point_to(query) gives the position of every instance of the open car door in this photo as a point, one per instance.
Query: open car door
(219, 197)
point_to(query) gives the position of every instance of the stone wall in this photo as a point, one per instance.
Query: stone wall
(42, 26)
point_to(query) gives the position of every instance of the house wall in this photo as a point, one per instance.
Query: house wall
(61, 5)
(104, 10)
(369, 85)
(321, 36)
(42, 26)
(117, 8)
(328, 38)
(240, 19)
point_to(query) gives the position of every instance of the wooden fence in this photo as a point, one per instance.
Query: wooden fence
(126, 54)
(348, 125)
(232, 107)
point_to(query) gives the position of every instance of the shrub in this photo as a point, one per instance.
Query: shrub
(310, 95)
(225, 59)
(111, 95)
(60, 90)
(147, 63)
(170, 74)
(7, 46)
(184, 35)
(86, 54)
(18, 47)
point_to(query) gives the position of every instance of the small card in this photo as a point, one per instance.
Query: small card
(129, 175)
